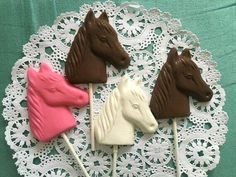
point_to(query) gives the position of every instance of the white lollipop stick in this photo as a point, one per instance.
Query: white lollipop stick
(91, 116)
(115, 152)
(176, 147)
(74, 154)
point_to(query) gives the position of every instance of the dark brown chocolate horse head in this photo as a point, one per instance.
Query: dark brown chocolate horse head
(179, 78)
(188, 77)
(95, 43)
(104, 41)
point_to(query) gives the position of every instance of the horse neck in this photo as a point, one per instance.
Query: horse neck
(122, 132)
(91, 58)
(178, 104)
(48, 121)
(54, 113)
(168, 101)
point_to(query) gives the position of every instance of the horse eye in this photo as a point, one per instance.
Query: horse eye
(188, 75)
(52, 89)
(103, 39)
(135, 106)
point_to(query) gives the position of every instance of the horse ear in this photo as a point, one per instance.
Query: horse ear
(172, 56)
(125, 79)
(31, 75)
(44, 68)
(186, 54)
(123, 82)
(137, 81)
(104, 16)
(89, 19)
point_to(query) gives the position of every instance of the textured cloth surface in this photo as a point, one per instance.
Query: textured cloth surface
(214, 22)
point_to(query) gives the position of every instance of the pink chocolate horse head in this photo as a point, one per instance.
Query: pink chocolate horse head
(49, 96)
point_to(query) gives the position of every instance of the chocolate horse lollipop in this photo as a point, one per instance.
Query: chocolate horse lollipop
(95, 43)
(179, 78)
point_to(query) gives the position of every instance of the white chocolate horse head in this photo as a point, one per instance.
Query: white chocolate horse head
(125, 109)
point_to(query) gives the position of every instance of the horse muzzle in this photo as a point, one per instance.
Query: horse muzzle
(204, 97)
(122, 63)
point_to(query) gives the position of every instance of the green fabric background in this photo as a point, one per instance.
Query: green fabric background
(214, 22)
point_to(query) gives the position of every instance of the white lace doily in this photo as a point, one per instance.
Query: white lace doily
(147, 35)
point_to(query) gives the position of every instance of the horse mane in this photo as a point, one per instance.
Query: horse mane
(163, 88)
(76, 53)
(34, 108)
(107, 116)
(34, 104)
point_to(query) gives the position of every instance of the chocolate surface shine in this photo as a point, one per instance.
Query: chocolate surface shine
(179, 78)
(95, 44)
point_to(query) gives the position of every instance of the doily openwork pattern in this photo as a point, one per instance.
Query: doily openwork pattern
(147, 35)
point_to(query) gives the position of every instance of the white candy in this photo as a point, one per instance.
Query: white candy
(126, 108)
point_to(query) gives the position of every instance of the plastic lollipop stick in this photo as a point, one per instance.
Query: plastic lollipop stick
(48, 97)
(89, 52)
(115, 152)
(125, 108)
(91, 116)
(176, 147)
(74, 154)
(174, 85)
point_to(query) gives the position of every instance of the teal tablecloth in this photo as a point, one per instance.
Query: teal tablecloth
(214, 22)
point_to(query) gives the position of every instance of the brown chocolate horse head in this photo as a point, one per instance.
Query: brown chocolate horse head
(95, 43)
(179, 78)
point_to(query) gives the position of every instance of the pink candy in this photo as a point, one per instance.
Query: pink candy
(49, 96)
